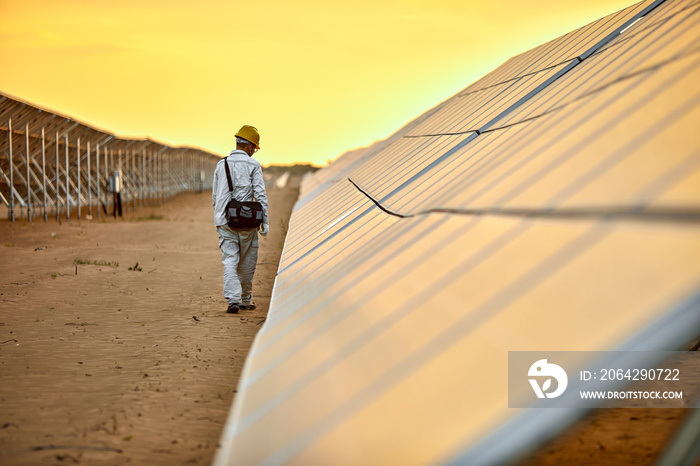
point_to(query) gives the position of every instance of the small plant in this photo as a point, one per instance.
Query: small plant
(153, 216)
(136, 268)
(9, 245)
(89, 262)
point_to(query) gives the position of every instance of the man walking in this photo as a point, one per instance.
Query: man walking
(115, 186)
(239, 248)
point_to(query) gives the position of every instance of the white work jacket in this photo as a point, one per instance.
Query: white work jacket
(115, 182)
(248, 184)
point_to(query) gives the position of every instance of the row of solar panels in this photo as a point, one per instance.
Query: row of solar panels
(552, 205)
(24, 114)
(52, 162)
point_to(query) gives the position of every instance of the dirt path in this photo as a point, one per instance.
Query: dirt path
(110, 362)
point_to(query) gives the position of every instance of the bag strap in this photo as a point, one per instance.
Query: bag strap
(228, 176)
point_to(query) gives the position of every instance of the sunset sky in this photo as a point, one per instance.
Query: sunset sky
(316, 77)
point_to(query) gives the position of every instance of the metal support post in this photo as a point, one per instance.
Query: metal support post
(143, 176)
(89, 176)
(149, 179)
(97, 180)
(58, 212)
(129, 163)
(121, 178)
(163, 183)
(29, 182)
(79, 190)
(157, 177)
(65, 136)
(134, 191)
(43, 170)
(125, 190)
(134, 181)
(107, 168)
(160, 178)
(12, 171)
(159, 185)
(137, 191)
(152, 179)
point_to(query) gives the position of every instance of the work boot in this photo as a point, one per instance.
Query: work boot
(248, 307)
(233, 308)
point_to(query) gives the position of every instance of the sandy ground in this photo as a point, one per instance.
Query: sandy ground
(614, 437)
(110, 362)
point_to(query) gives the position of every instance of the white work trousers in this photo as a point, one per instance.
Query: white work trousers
(239, 254)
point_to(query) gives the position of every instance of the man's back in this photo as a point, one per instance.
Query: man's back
(247, 180)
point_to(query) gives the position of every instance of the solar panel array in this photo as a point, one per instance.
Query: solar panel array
(53, 163)
(554, 204)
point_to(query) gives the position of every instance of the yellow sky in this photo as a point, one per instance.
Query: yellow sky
(317, 77)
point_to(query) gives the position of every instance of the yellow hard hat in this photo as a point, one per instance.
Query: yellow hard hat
(249, 133)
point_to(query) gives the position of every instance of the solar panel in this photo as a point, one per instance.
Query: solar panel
(552, 205)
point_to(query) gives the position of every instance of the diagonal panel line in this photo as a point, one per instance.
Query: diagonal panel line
(438, 345)
(384, 324)
(527, 97)
(574, 62)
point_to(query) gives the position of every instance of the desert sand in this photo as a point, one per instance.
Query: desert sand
(115, 347)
